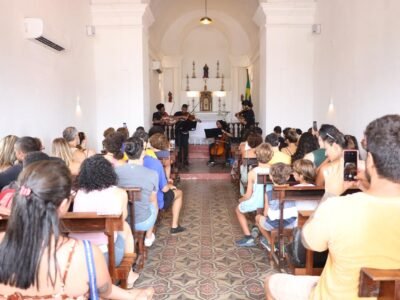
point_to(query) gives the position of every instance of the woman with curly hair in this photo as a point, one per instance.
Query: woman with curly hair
(114, 147)
(7, 153)
(307, 143)
(36, 261)
(97, 192)
(291, 139)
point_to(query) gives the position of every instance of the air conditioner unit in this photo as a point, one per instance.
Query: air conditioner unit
(156, 66)
(35, 29)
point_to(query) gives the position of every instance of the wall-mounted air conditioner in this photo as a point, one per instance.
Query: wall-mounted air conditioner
(35, 29)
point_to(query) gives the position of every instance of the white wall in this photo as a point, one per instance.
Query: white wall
(38, 86)
(357, 62)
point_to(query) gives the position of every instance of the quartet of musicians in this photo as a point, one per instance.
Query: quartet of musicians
(185, 121)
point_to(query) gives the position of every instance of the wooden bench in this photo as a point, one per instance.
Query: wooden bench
(92, 222)
(292, 193)
(384, 284)
(134, 193)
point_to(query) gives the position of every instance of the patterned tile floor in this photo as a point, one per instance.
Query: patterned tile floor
(203, 262)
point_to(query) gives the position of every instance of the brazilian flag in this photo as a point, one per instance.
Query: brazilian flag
(247, 95)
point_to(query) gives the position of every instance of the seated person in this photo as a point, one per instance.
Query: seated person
(61, 150)
(359, 230)
(291, 139)
(97, 192)
(160, 145)
(279, 156)
(254, 197)
(279, 174)
(46, 264)
(134, 174)
(167, 194)
(304, 173)
(71, 135)
(248, 151)
(23, 146)
(223, 141)
(113, 147)
(7, 152)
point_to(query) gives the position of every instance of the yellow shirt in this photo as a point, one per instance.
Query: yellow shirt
(361, 231)
(280, 157)
(150, 152)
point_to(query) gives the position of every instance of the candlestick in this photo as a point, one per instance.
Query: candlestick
(217, 68)
(194, 72)
(222, 83)
(187, 82)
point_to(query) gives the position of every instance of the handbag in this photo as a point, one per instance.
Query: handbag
(94, 294)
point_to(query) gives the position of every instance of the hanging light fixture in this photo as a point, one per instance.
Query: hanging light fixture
(205, 20)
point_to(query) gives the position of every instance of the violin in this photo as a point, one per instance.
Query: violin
(190, 117)
(167, 119)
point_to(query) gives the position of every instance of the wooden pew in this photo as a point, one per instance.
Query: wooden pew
(292, 193)
(134, 193)
(384, 284)
(92, 222)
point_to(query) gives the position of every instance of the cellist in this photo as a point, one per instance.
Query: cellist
(222, 144)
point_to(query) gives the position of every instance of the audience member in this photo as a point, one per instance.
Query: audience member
(71, 135)
(46, 264)
(97, 192)
(160, 145)
(318, 156)
(278, 156)
(278, 132)
(304, 173)
(248, 151)
(22, 146)
(167, 195)
(291, 139)
(61, 150)
(7, 152)
(254, 197)
(307, 144)
(124, 131)
(108, 131)
(114, 148)
(352, 241)
(279, 175)
(330, 174)
(134, 174)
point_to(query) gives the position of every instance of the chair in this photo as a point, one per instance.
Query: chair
(383, 284)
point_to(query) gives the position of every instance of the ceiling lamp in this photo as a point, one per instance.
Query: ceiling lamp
(205, 20)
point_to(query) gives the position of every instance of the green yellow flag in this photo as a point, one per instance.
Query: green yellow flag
(247, 95)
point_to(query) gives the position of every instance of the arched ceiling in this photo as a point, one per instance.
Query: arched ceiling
(175, 19)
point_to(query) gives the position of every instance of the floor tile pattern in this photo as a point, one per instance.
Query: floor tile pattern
(203, 262)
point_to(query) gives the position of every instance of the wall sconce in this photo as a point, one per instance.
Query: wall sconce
(331, 107)
(78, 110)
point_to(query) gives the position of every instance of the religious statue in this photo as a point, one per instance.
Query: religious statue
(169, 96)
(205, 71)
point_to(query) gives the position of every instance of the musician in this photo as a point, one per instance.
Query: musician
(160, 117)
(222, 141)
(182, 128)
(246, 115)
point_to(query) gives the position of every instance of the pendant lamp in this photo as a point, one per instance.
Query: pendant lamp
(205, 20)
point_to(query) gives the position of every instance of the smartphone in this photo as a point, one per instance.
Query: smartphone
(124, 125)
(350, 165)
(315, 126)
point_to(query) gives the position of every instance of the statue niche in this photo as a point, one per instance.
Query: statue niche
(205, 101)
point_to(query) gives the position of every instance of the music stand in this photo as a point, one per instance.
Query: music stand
(192, 125)
(213, 133)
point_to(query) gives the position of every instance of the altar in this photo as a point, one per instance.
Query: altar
(208, 120)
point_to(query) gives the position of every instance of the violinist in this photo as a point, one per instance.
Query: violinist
(182, 128)
(246, 115)
(222, 144)
(161, 117)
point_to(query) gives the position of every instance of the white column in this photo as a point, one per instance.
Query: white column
(121, 63)
(286, 63)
